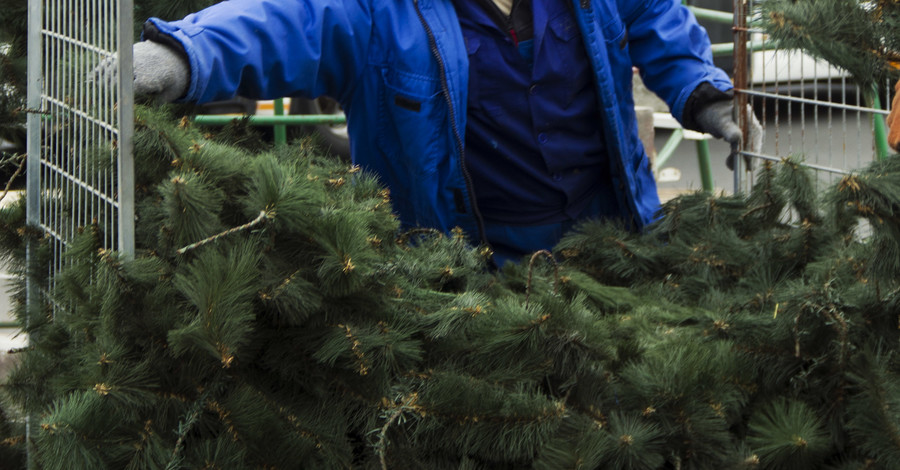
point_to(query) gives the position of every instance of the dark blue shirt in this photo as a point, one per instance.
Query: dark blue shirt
(534, 144)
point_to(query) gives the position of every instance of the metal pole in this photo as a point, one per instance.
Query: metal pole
(741, 81)
(33, 123)
(711, 15)
(280, 130)
(33, 187)
(705, 163)
(125, 108)
(883, 150)
(668, 149)
(254, 120)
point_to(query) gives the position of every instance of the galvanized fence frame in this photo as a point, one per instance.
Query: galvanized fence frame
(80, 128)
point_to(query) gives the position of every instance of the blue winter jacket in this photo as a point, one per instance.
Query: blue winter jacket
(400, 70)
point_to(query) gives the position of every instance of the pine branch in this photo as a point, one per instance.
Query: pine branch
(549, 256)
(260, 219)
(408, 404)
(184, 427)
(187, 423)
(849, 34)
(15, 175)
(788, 435)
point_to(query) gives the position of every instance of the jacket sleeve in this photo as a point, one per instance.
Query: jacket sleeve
(671, 50)
(272, 48)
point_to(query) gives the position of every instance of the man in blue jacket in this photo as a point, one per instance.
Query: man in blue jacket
(512, 119)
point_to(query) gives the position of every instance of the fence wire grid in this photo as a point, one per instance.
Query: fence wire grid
(807, 107)
(80, 128)
(80, 169)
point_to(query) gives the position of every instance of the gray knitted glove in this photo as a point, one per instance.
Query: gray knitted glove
(159, 71)
(717, 120)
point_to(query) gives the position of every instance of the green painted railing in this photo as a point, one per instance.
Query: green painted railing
(880, 129)
(279, 121)
(716, 16)
(288, 120)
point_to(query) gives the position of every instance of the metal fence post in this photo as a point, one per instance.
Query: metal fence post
(280, 131)
(125, 108)
(741, 80)
(883, 150)
(33, 172)
(80, 168)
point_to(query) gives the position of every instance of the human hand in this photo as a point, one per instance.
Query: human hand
(717, 119)
(159, 71)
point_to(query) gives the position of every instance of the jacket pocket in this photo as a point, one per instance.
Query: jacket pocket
(473, 43)
(486, 93)
(410, 119)
(612, 26)
(575, 74)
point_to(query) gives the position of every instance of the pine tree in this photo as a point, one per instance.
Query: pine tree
(276, 317)
(858, 36)
(13, 46)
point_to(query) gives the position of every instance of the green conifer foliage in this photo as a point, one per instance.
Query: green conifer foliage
(788, 435)
(11, 449)
(277, 316)
(858, 36)
(13, 47)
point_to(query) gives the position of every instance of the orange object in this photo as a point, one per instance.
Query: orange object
(893, 120)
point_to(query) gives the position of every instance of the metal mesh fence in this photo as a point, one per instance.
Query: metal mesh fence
(80, 170)
(808, 108)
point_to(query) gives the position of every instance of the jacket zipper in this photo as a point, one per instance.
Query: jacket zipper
(445, 90)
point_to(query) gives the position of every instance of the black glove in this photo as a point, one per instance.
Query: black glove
(712, 112)
(717, 120)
